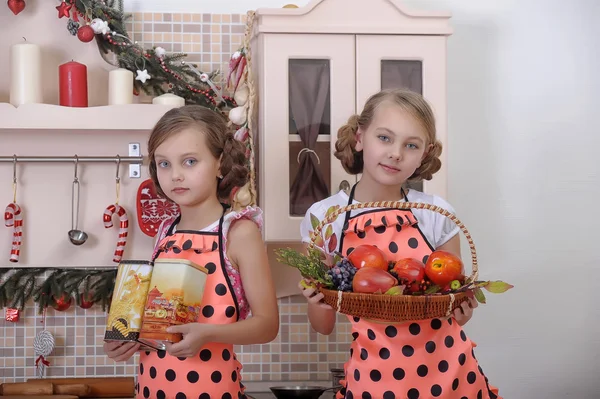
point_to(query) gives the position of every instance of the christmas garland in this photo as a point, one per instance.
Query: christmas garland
(58, 289)
(156, 72)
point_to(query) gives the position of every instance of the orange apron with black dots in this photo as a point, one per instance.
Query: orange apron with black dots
(415, 360)
(213, 373)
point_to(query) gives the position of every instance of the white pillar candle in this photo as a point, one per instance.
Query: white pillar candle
(169, 99)
(25, 74)
(120, 86)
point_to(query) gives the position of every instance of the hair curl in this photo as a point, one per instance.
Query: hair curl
(219, 140)
(411, 102)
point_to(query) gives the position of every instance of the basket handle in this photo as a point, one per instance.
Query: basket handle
(402, 205)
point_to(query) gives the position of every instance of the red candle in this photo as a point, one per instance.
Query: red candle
(73, 84)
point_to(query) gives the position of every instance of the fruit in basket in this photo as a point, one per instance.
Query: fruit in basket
(409, 271)
(342, 274)
(368, 256)
(371, 280)
(455, 284)
(442, 267)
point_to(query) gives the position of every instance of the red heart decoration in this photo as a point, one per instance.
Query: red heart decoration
(16, 6)
(153, 210)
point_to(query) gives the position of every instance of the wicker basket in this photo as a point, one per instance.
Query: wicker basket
(396, 308)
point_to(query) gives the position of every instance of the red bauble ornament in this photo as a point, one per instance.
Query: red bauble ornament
(16, 6)
(86, 301)
(64, 9)
(85, 34)
(63, 303)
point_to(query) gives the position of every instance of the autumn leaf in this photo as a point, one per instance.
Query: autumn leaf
(497, 287)
(332, 243)
(314, 221)
(479, 295)
(331, 210)
(319, 242)
(433, 289)
(328, 232)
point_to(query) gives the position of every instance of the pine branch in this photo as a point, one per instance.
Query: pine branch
(167, 74)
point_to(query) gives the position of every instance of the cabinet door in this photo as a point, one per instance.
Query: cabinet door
(307, 91)
(417, 63)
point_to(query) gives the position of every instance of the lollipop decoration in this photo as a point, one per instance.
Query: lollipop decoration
(123, 219)
(14, 219)
(43, 344)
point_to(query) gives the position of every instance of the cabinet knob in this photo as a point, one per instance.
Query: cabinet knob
(344, 185)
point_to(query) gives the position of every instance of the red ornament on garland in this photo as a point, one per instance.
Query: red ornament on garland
(63, 303)
(16, 6)
(12, 315)
(87, 301)
(85, 34)
(64, 9)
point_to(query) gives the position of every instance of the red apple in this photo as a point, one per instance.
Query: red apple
(370, 280)
(442, 267)
(411, 271)
(368, 256)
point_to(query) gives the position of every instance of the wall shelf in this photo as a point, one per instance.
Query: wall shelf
(56, 117)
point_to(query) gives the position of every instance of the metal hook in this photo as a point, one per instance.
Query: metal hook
(118, 166)
(15, 168)
(76, 179)
(14, 178)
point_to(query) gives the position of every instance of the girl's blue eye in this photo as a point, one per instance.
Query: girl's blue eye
(383, 138)
(412, 146)
(163, 164)
(190, 162)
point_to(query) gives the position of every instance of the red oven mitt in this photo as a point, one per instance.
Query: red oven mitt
(153, 210)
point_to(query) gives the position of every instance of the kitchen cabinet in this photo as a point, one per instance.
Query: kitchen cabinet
(314, 67)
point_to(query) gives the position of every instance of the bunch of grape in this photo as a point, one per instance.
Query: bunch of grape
(342, 274)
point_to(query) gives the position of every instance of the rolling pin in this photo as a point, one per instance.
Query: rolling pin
(27, 388)
(79, 390)
(99, 387)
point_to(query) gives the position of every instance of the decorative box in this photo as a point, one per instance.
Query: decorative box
(175, 297)
(129, 297)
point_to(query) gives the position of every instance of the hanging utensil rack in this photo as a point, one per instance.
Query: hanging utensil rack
(135, 159)
(21, 158)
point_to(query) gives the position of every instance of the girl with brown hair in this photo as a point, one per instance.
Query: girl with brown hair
(391, 142)
(196, 162)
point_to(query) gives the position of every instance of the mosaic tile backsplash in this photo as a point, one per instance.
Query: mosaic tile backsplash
(208, 39)
(297, 354)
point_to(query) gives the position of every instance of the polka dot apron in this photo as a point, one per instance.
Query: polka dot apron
(415, 360)
(214, 373)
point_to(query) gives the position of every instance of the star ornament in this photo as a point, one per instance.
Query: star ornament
(64, 10)
(142, 76)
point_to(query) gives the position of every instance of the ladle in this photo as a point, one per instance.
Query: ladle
(76, 236)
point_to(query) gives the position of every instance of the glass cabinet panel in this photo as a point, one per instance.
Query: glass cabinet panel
(309, 133)
(403, 74)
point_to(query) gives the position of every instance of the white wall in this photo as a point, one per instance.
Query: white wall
(523, 157)
(524, 176)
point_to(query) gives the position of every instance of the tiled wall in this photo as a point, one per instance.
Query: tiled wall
(298, 353)
(207, 39)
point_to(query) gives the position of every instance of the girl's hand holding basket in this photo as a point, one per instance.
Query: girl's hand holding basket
(366, 284)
